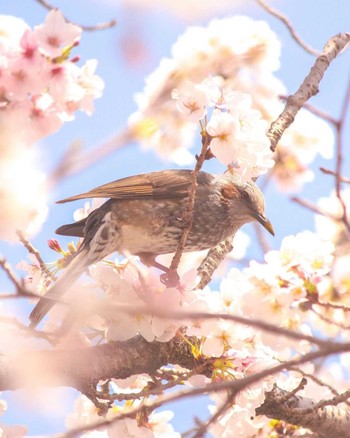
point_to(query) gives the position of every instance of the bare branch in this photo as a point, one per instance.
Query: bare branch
(100, 26)
(326, 421)
(25, 329)
(339, 157)
(308, 88)
(315, 208)
(317, 381)
(187, 217)
(30, 248)
(259, 324)
(317, 112)
(74, 160)
(20, 289)
(289, 26)
(343, 179)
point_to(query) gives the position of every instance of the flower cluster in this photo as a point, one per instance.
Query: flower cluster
(156, 426)
(238, 134)
(135, 302)
(298, 148)
(228, 65)
(233, 51)
(41, 88)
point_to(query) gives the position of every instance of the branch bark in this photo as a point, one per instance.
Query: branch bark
(308, 88)
(326, 421)
(84, 368)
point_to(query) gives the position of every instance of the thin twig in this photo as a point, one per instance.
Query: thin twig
(330, 321)
(30, 248)
(74, 160)
(343, 179)
(289, 26)
(27, 331)
(203, 428)
(317, 381)
(261, 238)
(100, 26)
(333, 306)
(319, 113)
(258, 324)
(187, 217)
(339, 157)
(315, 209)
(340, 398)
(20, 289)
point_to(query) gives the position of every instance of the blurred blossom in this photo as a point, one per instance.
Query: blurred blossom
(186, 10)
(41, 87)
(308, 137)
(88, 207)
(156, 426)
(228, 65)
(329, 228)
(84, 413)
(130, 288)
(307, 250)
(33, 281)
(239, 136)
(209, 67)
(271, 291)
(22, 195)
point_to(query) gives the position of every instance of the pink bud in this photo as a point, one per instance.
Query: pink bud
(54, 245)
(75, 58)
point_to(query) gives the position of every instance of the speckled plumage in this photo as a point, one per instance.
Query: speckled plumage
(144, 218)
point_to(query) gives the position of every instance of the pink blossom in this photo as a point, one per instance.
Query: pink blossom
(223, 127)
(191, 100)
(56, 34)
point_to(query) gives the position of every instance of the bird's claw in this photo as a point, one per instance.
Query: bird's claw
(170, 279)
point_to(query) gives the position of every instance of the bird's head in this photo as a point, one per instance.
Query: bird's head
(246, 201)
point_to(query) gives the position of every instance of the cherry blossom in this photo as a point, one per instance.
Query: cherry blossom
(41, 88)
(191, 100)
(56, 34)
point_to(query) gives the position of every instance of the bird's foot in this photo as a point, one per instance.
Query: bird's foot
(170, 278)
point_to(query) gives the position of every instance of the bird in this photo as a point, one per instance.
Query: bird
(144, 217)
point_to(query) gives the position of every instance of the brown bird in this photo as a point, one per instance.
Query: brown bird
(144, 217)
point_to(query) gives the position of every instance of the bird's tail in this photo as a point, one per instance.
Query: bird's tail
(61, 285)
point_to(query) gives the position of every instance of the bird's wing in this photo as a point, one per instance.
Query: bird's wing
(156, 185)
(74, 229)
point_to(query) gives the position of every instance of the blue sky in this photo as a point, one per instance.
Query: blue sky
(316, 22)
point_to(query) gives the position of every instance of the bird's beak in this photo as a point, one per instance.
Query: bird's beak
(265, 223)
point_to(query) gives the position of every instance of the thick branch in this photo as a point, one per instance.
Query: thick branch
(211, 262)
(308, 88)
(84, 368)
(326, 421)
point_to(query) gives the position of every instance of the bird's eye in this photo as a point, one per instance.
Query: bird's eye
(245, 196)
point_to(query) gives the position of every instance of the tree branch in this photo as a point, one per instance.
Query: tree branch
(289, 26)
(99, 26)
(84, 368)
(326, 421)
(308, 88)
